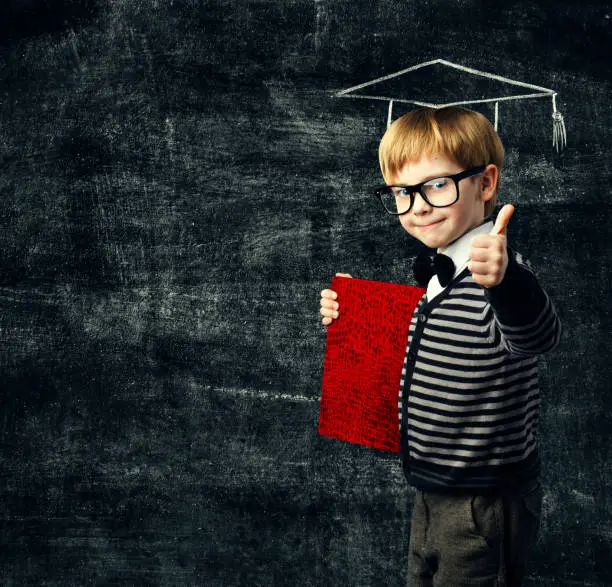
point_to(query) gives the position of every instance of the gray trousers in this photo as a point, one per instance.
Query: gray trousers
(472, 540)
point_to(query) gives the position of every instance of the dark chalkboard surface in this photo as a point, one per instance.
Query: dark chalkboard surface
(178, 184)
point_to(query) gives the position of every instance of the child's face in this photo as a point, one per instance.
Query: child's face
(439, 227)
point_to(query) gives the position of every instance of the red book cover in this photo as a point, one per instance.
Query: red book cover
(364, 355)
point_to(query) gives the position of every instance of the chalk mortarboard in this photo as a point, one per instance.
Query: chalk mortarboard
(441, 83)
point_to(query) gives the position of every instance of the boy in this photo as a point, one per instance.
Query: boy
(468, 401)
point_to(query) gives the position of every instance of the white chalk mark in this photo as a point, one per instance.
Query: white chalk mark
(496, 115)
(385, 98)
(583, 498)
(257, 394)
(170, 137)
(541, 91)
(564, 131)
(495, 76)
(461, 103)
(390, 76)
(75, 52)
(559, 131)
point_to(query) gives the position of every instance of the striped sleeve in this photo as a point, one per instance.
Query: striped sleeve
(524, 314)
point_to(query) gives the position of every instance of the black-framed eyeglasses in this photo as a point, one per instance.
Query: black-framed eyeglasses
(438, 192)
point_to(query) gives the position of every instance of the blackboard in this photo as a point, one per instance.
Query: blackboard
(178, 184)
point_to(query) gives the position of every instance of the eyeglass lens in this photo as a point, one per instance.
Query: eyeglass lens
(439, 192)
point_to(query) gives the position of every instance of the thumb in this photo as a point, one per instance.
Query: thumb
(502, 220)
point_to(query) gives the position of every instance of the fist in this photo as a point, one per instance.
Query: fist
(488, 255)
(329, 305)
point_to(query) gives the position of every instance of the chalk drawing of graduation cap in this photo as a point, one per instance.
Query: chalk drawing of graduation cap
(441, 83)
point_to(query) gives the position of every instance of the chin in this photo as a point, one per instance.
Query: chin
(433, 242)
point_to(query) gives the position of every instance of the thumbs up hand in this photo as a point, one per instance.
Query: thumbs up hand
(488, 256)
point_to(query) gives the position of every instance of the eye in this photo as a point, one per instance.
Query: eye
(438, 184)
(401, 192)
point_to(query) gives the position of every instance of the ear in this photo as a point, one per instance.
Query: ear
(488, 182)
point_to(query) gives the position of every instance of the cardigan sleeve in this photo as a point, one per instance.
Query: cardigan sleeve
(524, 314)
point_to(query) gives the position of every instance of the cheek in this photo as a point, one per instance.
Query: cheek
(408, 227)
(405, 222)
(455, 214)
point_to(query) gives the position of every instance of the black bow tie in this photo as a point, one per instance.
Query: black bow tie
(428, 264)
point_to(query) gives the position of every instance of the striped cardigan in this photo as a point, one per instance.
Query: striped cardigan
(469, 395)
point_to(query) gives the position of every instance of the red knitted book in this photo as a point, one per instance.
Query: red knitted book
(364, 354)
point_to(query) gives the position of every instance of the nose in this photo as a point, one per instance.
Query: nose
(419, 205)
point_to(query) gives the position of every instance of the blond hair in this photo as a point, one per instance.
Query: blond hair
(465, 136)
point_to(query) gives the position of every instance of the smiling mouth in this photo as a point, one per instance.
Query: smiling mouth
(425, 226)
